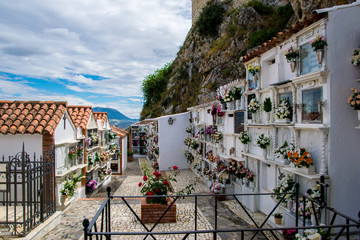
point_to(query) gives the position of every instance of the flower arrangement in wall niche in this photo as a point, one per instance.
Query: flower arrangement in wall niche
(250, 175)
(217, 136)
(354, 99)
(72, 154)
(220, 97)
(282, 151)
(229, 95)
(286, 184)
(216, 188)
(291, 54)
(187, 141)
(233, 167)
(284, 110)
(219, 112)
(194, 145)
(244, 137)
(253, 105)
(70, 185)
(189, 156)
(300, 158)
(263, 142)
(253, 69)
(318, 43)
(355, 60)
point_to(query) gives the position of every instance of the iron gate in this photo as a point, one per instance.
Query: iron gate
(27, 191)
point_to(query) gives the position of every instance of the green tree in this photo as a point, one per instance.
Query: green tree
(155, 84)
(209, 20)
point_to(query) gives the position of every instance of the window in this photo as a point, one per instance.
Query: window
(311, 107)
(239, 121)
(308, 59)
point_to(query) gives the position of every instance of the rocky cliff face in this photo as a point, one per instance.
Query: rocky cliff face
(204, 63)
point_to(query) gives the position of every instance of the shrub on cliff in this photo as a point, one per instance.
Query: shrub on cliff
(209, 20)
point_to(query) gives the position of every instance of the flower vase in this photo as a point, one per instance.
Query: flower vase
(62, 200)
(239, 181)
(246, 148)
(253, 115)
(320, 55)
(293, 65)
(264, 154)
(252, 185)
(242, 104)
(267, 117)
(245, 181)
(230, 105)
(237, 104)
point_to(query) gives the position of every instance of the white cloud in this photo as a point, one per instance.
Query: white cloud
(122, 41)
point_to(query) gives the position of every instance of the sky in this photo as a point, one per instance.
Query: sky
(87, 52)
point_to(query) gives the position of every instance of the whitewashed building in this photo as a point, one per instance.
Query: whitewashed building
(320, 118)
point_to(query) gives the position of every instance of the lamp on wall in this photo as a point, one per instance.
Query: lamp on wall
(171, 120)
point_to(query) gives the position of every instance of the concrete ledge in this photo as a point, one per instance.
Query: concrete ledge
(45, 227)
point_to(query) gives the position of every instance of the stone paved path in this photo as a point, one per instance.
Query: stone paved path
(123, 220)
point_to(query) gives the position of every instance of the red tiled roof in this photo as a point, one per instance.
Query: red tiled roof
(120, 132)
(101, 115)
(80, 115)
(282, 36)
(32, 117)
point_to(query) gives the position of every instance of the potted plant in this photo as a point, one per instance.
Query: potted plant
(263, 142)
(354, 101)
(283, 113)
(278, 218)
(355, 60)
(318, 44)
(155, 185)
(267, 109)
(245, 139)
(237, 97)
(291, 56)
(130, 155)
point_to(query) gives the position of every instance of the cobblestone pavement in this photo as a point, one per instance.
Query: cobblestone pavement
(123, 219)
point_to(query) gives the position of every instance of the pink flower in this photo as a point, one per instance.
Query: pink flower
(311, 41)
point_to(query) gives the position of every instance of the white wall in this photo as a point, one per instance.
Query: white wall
(171, 141)
(124, 153)
(10, 144)
(67, 134)
(344, 161)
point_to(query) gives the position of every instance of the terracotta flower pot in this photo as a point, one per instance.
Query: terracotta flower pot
(278, 220)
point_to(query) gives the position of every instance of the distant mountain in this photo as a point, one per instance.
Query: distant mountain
(116, 118)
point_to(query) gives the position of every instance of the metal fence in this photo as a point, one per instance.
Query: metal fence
(27, 191)
(100, 226)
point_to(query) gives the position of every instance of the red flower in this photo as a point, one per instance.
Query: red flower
(157, 178)
(145, 178)
(175, 168)
(157, 190)
(140, 184)
(150, 193)
(156, 173)
(165, 183)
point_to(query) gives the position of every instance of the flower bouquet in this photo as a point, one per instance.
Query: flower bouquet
(72, 154)
(194, 144)
(253, 105)
(216, 188)
(229, 95)
(355, 60)
(354, 99)
(91, 185)
(244, 137)
(281, 152)
(285, 185)
(263, 142)
(291, 54)
(318, 43)
(300, 158)
(253, 69)
(283, 111)
(217, 137)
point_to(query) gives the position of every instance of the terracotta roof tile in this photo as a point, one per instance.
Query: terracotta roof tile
(101, 115)
(282, 36)
(120, 132)
(20, 117)
(80, 115)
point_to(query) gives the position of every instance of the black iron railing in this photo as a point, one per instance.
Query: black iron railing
(332, 229)
(27, 191)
